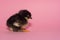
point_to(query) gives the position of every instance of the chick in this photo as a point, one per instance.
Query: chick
(18, 21)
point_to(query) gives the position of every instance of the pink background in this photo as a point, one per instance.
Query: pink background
(45, 22)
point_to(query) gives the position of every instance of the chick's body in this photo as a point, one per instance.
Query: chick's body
(18, 19)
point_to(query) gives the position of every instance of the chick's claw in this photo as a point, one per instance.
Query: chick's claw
(26, 31)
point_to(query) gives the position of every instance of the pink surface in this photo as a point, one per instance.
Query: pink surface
(45, 22)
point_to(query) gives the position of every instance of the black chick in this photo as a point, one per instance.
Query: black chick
(18, 20)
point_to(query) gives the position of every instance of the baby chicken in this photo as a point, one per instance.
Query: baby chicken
(19, 21)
